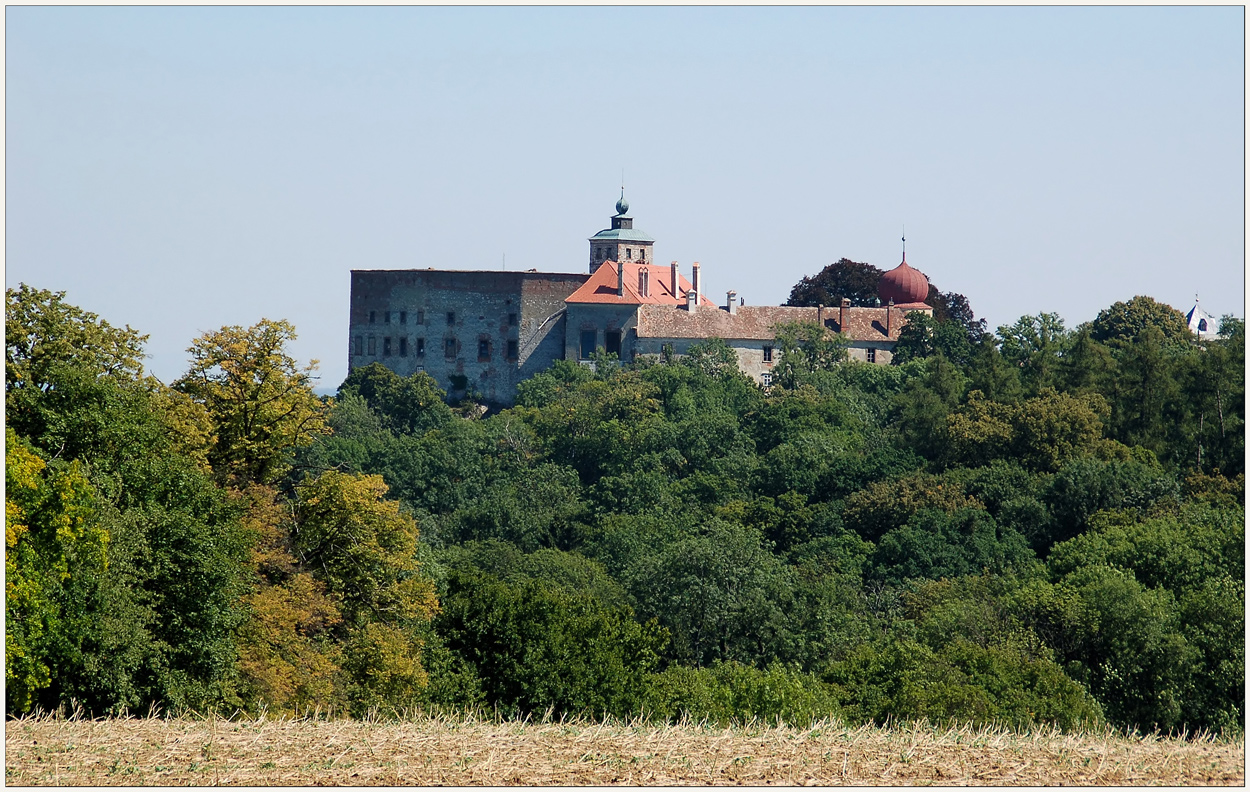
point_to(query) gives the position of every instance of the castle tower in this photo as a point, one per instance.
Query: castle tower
(621, 242)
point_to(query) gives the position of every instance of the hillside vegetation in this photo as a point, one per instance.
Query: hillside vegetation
(1039, 526)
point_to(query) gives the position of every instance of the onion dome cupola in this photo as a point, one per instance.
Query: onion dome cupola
(903, 284)
(621, 242)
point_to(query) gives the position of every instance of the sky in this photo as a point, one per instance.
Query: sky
(182, 169)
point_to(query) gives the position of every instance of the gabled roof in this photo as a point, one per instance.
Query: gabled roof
(601, 288)
(627, 234)
(756, 322)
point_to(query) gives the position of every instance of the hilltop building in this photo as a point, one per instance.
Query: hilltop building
(485, 331)
(1201, 323)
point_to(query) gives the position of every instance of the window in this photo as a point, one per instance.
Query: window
(483, 349)
(403, 317)
(767, 378)
(386, 346)
(512, 349)
(768, 354)
(450, 348)
(420, 347)
(420, 317)
(420, 368)
(1202, 325)
(403, 347)
(373, 317)
(642, 254)
(373, 345)
(872, 355)
(629, 253)
(512, 319)
(360, 346)
(612, 342)
(451, 318)
(386, 317)
(587, 345)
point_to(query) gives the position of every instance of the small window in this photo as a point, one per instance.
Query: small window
(767, 378)
(768, 354)
(512, 319)
(420, 368)
(450, 348)
(483, 349)
(629, 253)
(420, 347)
(642, 254)
(373, 317)
(872, 355)
(588, 344)
(386, 346)
(403, 347)
(512, 349)
(360, 346)
(612, 342)
(403, 317)
(373, 345)
(451, 318)
(386, 318)
(420, 317)
(1202, 325)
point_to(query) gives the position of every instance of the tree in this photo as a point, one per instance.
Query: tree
(1123, 321)
(924, 336)
(54, 549)
(954, 307)
(806, 347)
(843, 278)
(410, 405)
(261, 403)
(1034, 345)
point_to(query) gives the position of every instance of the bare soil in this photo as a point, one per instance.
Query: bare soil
(468, 752)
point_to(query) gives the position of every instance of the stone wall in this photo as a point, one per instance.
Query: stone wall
(480, 332)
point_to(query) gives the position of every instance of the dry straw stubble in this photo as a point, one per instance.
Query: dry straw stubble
(475, 751)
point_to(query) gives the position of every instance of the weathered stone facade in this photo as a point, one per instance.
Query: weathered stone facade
(479, 332)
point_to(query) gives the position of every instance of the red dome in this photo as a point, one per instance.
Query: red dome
(903, 285)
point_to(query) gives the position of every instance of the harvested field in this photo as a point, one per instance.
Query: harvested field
(157, 751)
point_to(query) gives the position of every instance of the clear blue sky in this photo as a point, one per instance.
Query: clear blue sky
(180, 169)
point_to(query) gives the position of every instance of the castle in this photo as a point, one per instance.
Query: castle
(485, 331)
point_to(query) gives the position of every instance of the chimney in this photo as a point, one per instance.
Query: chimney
(820, 314)
(730, 304)
(620, 279)
(694, 281)
(644, 278)
(889, 314)
(691, 300)
(673, 284)
(842, 309)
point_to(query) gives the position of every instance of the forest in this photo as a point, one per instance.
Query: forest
(1036, 525)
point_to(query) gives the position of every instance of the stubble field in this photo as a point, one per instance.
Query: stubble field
(466, 752)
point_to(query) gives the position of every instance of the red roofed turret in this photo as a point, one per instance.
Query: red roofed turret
(903, 285)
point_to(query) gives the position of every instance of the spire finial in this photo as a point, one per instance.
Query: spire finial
(622, 206)
(904, 243)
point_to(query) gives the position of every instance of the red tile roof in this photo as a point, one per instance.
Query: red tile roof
(601, 288)
(756, 322)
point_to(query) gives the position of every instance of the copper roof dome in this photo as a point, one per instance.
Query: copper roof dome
(903, 285)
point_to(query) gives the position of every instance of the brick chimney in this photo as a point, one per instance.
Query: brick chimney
(843, 309)
(620, 279)
(644, 282)
(673, 283)
(694, 281)
(889, 316)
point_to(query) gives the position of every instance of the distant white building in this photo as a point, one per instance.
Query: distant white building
(1201, 323)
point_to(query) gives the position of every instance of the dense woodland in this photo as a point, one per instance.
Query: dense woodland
(1037, 525)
